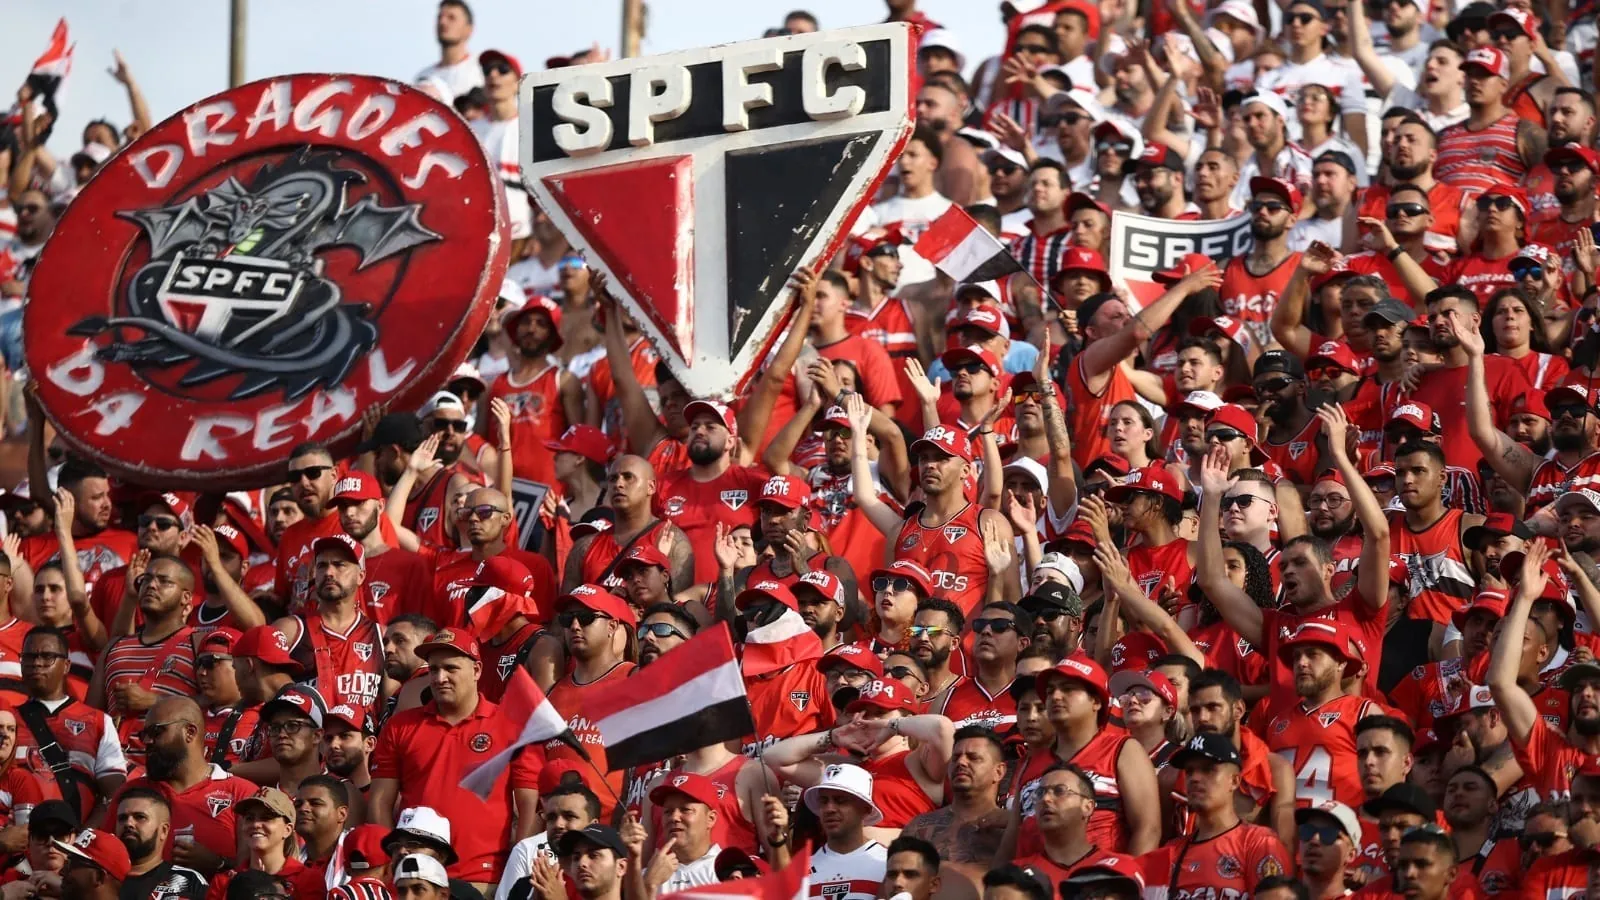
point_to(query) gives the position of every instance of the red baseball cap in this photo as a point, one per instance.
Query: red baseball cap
(1188, 265)
(1079, 532)
(537, 303)
(1489, 60)
(1416, 414)
(587, 441)
(987, 359)
(357, 486)
(457, 640)
(1572, 393)
(786, 491)
(1081, 668)
(1555, 586)
(220, 640)
(769, 589)
(905, 568)
(1324, 633)
(1082, 259)
(1521, 18)
(1532, 403)
(1335, 353)
(506, 574)
(230, 537)
(1114, 463)
(102, 849)
(1585, 155)
(489, 56)
(1160, 156)
(855, 656)
(1495, 525)
(1229, 327)
(1262, 184)
(1338, 271)
(1491, 600)
(268, 644)
(1232, 415)
(1150, 479)
(823, 582)
(885, 693)
(947, 439)
(552, 772)
(696, 787)
(1080, 200)
(1517, 195)
(985, 317)
(720, 411)
(597, 598)
(182, 506)
(342, 544)
(838, 417)
(1157, 683)
(363, 848)
(644, 554)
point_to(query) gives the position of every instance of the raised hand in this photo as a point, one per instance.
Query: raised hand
(1207, 276)
(633, 835)
(1471, 339)
(1021, 512)
(119, 70)
(1207, 109)
(1375, 233)
(501, 411)
(927, 391)
(858, 412)
(422, 457)
(726, 549)
(1336, 425)
(206, 539)
(1093, 511)
(997, 552)
(1533, 577)
(66, 509)
(1010, 132)
(826, 379)
(12, 544)
(1319, 259)
(1214, 469)
(997, 410)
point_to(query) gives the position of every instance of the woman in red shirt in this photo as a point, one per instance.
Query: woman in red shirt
(266, 831)
(1513, 327)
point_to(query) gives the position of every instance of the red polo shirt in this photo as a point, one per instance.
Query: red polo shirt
(428, 757)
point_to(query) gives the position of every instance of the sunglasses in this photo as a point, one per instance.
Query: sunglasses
(1407, 210)
(1543, 839)
(1507, 33)
(993, 626)
(1004, 168)
(1534, 270)
(309, 473)
(1122, 147)
(1271, 206)
(163, 523)
(1336, 10)
(207, 660)
(903, 672)
(584, 617)
(1021, 397)
(1273, 386)
(927, 631)
(660, 630)
(1499, 201)
(1030, 48)
(1242, 501)
(1049, 615)
(1303, 18)
(896, 583)
(1321, 373)
(482, 512)
(1325, 834)
(1566, 410)
(1224, 435)
(1568, 166)
(498, 68)
(459, 426)
(970, 368)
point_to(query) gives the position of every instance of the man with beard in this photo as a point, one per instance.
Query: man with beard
(1279, 381)
(338, 642)
(1333, 188)
(1409, 157)
(1321, 655)
(312, 476)
(565, 808)
(348, 739)
(1042, 249)
(282, 511)
(544, 398)
(934, 634)
(158, 658)
(783, 515)
(664, 627)
(581, 455)
(426, 477)
(229, 721)
(715, 488)
(1331, 518)
(1252, 282)
(939, 110)
(1158, 177)
(1469, 809)
(1479, 725)
(595, 862)
(164, 521)
(398, 581)
(457, 69)
(263, 665)
(967, 831)
(321, 811)
(1494, 146)
(402, 665)
(1008, 184)
(594, 624)
(1572, 202)
(104, 546)
(823, 605)
(1548, 756)
(1057, 611)
(292, 724)
(1574, 430)
(1000, 631)
(201, 795)
(1274, 154)
(144, 823)
(1265, 794)
(631, 491)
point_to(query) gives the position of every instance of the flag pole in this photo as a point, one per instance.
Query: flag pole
(571, 740)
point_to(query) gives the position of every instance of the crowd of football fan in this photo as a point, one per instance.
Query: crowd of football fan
(1279, 584)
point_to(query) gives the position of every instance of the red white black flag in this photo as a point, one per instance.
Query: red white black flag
(528, 718)
(959, 247)
(691, 697)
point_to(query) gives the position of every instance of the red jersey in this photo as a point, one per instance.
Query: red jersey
(305, 882)
(1151, 567)
(1475, 160)
(567, 696)
(1298, 455)
(1497, 865)
(1559, 877)
(500, 661)
(1250, 299)
(698, 507)
(851, 534)
(348, 665)
(203, 812)
(537, 415)
(20, 792)
(1227, 865)
(98, 553)
(1098, 760)
(1040, 865)
(1550, 760)
(1444, 201)
(1366, 623)
(1482, 275)
(165, 667)
(1320, 744)
(1439, 581)
(1552, 479)
(967, 703)
(1445, 390)
(1136, 650)
(1543, 370)
(733, 828)
(895, 790)
(889, 324)
(425, 507)
(1430, 691)
(427, 756)
(454, 573)
(952, 552)
(643, 359)
(294, 557)
(1224, 649)
(1088, 412)
(239, 723)
(603, 550)
(399, 582)
(790, 701)
(92, 749)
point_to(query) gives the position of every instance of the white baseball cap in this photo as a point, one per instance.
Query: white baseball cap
(1238, 10)
(421, 867)
(1271, 100)
(1064, 564)
(846, 779)
(945, 39)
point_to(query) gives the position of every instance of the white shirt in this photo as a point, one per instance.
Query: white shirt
(534, 277)
(458, 77)
(913, 216)
(520, 863)
(700, 872)
(1328, 231)
(500, 142)
(856, 875)
(1410, 99)
(1340, 76)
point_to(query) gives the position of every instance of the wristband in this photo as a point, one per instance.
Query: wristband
(1395, 253)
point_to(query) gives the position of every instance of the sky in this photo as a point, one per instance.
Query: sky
(178, 49)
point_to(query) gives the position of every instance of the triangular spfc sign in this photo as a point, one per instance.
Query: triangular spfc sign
(700, 181)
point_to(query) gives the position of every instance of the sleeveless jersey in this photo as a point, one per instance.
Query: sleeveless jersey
(1552, 479)
(1098, 760)
(537, 415)
(968, 703)
(604, 548)
(348, 667)
(1475, 161)
(952, 552)
(1250, 299)
(567, 696)
(895, 790)
(165, 667)
(643, 358)
(1521, 101)
(733, 828)
(1298, 455)
(500, 661)
(1087, 412)
(425, 511)
(1439, 582)
(1320, 745)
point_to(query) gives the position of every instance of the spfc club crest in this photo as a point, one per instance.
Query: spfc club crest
(800, 699)
(258, 270)
(506, 665)
(427, 517)
(218, 803)
(735, 500)
(363, 651)
(1327, 719)
(953, 533)
(1298, 449)
(76, 727)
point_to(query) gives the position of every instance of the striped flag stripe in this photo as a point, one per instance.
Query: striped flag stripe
(959, 247)
(525, 703)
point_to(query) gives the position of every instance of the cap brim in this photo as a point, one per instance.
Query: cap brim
(1185, 756)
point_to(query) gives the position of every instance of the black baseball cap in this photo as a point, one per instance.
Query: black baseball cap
(1278, 361)
(1322, 13)
(1207, 746)
(596, 834)
(1391, 311)
(1405, 797)
(400, 428)
(1338, 158)
(1053, 595)
(1473, 15)
(53, 816)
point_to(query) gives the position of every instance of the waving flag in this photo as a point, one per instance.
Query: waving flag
(792, 882)
(52, 66)
(525, 709)
(691, 697)
(959, 247)
(780, 644)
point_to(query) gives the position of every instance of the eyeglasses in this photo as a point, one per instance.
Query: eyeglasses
(160, 581)
(1532, 270)
(152, 732)
(1034, 49)
(48, 659)
(1139, 692)
(1224, 435)
(927, 631)
(970, 368)
(1242, 501)
(288, 727)
(894, 583)
(483, 512)
(309, 473)
(1565, 410)
(1122, 147)
(162, 523)
(1406, 210)
(1544, 840)
(1498, 201)
(1324, 834)
(993, 626)
(1508, 33)
(1302, 18)
(584, 617)
(459, 426)
(1332, 501)
(1271, 206)
(660, 630)
(497, 68)
(1273, 386)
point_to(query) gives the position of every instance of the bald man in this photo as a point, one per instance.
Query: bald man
(488, 521)
(630, 491)
(202, 798)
